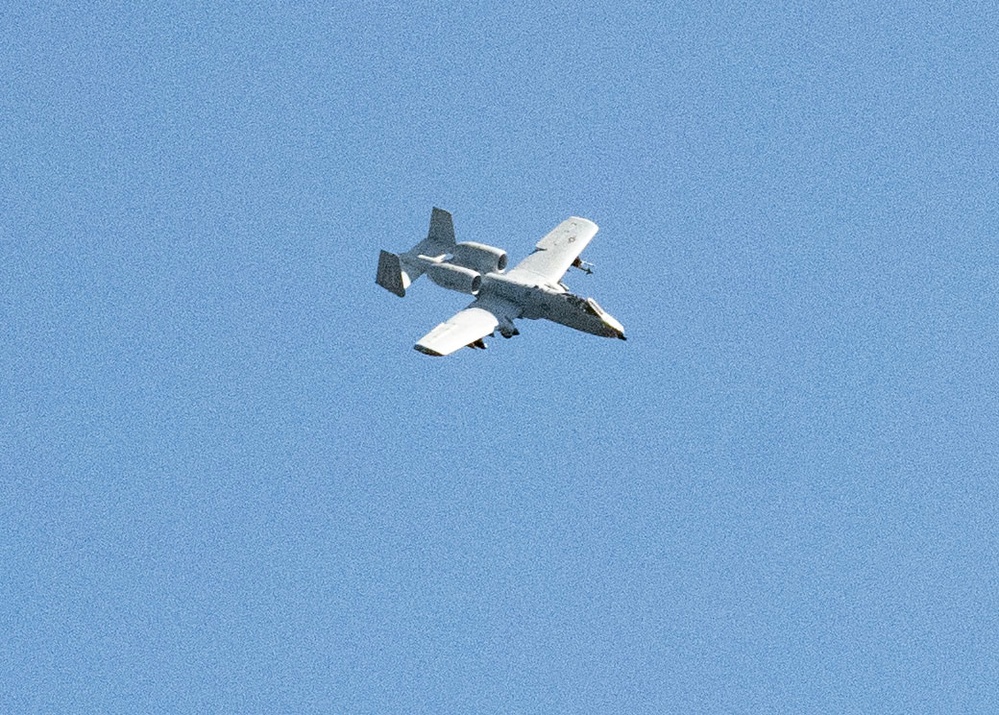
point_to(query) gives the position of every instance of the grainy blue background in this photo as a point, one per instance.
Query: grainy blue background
(228, 483)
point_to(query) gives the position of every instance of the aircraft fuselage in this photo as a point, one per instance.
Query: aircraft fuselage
(554, 303)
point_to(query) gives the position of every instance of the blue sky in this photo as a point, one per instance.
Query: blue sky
(228, 483)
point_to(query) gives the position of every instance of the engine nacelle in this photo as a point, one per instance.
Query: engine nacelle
(452, 277)
(479, 257)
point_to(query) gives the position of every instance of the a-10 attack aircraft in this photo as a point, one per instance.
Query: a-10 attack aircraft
(532, 289)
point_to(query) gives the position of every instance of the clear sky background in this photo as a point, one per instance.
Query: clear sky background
(229, 484)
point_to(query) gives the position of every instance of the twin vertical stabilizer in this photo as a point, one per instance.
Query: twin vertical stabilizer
(390, 274)
(397, 272)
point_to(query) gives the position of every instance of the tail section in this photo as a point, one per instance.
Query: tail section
(397, 272)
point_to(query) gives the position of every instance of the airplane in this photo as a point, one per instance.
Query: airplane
(532, 289)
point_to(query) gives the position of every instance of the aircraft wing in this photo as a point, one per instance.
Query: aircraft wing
(467, 326)
(555, 252)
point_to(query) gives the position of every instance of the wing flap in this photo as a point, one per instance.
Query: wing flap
(556, 251)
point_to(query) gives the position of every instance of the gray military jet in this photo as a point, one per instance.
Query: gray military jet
(532, 289)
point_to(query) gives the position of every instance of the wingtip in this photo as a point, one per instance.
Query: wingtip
(584, 221)
(427, 351)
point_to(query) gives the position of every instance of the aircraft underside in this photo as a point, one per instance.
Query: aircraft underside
(532, 289)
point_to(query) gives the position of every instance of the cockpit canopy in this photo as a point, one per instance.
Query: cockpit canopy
(587, 305)
(593, 308)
